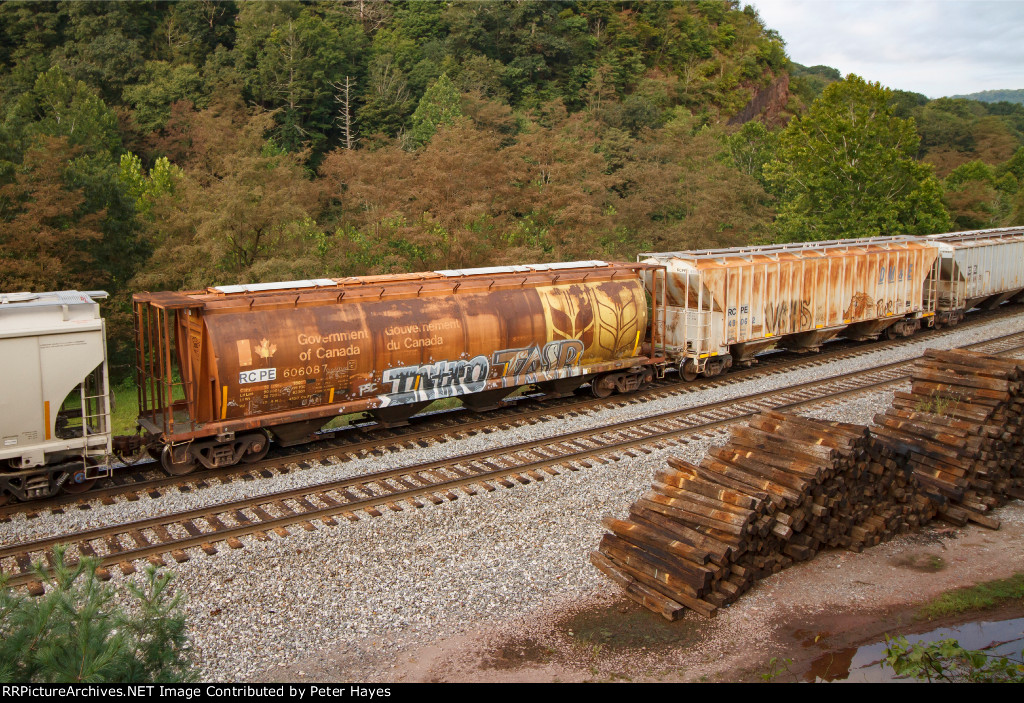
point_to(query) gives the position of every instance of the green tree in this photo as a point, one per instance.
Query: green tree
(58, 105)
(103, 43)
(288, 54)
(162, 85)
(848, 168)
(63, 107)
(750, 148)
(440, 105)
(239, 210)
(147, 189)
(77, 633)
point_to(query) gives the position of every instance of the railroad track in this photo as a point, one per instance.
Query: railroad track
(436, 482)
(353, 443)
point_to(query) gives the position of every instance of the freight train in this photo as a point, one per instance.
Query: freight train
(221, 373)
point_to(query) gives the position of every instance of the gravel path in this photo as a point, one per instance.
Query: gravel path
(357, 589)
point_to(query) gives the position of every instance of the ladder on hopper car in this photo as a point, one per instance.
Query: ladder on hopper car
(163, 365)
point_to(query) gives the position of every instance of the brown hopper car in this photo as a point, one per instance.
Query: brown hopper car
(220, 369)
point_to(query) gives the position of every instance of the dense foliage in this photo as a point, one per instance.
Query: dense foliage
(996, 96)
(848, 169)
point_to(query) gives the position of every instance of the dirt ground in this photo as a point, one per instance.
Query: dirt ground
(814, 614)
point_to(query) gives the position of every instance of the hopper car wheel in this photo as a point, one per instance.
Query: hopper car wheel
(175, 468)
(82, 487)
(688, 372)
(602, 387)
(77, 483)
(257, 449)
(892, 333)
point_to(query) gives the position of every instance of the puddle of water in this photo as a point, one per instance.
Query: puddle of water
(861, 665)
(627, 626)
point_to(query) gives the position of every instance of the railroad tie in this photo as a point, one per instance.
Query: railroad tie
(191, 528)
(140, 539)
(215, 522)
(283, 507)
(162, 534)
(306, 505)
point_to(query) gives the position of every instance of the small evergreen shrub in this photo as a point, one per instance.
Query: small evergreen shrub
(77, 633)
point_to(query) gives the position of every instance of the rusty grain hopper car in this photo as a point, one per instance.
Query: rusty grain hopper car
(724, 306)
(223, 370)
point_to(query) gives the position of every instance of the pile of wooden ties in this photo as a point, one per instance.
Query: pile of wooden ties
(960, 431)
(785, 487)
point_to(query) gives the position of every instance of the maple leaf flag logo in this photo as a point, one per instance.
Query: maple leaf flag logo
(266, 349)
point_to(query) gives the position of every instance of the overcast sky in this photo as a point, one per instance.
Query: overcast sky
(935, 47)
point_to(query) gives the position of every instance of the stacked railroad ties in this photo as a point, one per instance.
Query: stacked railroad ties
(785, 487)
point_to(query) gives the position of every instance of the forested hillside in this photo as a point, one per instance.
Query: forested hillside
(159, 145)
(996, 96)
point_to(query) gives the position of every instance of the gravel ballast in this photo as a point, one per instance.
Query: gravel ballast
(357, 589)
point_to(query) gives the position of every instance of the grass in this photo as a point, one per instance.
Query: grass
(126, 407)
(938, 403)
(981, 597)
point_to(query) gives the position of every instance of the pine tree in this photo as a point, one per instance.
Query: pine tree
(440, 105)
(76, 632)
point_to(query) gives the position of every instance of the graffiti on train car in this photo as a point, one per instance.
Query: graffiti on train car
(894, 274)
(776, 317)
(559, 354)
(859, 305)
(444, 379)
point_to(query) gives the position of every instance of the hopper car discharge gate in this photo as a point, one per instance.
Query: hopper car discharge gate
(221, 371)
